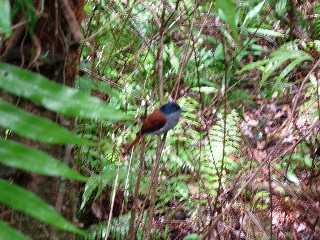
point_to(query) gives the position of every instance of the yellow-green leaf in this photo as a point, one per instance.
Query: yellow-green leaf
(27, 202)
(54, 96)
(37, 128)
(228, 7)
(5, 19)
(7, 232)
(17, 155)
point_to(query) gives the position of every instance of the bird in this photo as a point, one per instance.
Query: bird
(160, 121)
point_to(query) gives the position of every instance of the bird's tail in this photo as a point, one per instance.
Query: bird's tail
(135, 141)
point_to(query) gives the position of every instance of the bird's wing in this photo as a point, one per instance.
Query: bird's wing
(153, 122)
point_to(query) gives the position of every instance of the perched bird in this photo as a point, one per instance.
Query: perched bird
(159, 121)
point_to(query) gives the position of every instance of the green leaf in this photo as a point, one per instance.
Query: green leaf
(27, 202)
(173, 59)
(192, 236)
(253, 65)
(28, 125)
(27, 7)
(279, 57)
(292, 177)
(7, 232)
(54, 96)
(293, 64)
(20, 156)
(308, 161)
(266, 32)
(261, 199)
(229, 9)
(5, 19)
(281, 7)
(253, 13)
(205, 89)
(86, 84)
(91, 185)
(219, 53)
(98, 182)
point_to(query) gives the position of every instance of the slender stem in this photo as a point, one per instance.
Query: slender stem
(270, 194)
(115, 186)
(132, 226)
(160, 56)
(153, 187)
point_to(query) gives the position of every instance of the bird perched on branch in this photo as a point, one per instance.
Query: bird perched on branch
(159, 121)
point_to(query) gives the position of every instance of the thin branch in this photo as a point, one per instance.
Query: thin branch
(160, 56)
(132, 226)
(72, 21)
(115, 187)
(296, 99)
(270, 197)
(153, 187)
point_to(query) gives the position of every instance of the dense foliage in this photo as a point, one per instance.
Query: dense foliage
(243, 161)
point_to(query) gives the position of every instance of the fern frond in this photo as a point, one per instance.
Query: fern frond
(213, 155)
(119, 230)
(317, 22)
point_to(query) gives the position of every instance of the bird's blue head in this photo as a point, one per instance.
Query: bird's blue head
(170, 107)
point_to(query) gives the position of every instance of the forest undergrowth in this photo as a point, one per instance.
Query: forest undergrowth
(78, 78)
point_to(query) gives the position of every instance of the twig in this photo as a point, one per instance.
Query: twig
(38, 49)
(132, 226)
(66, 160)
(270, 197)
(160, 56)
(115, 186)
(225, 83)
(186, 55)
(72, 21)
(153, 187)
(62, 184)
(296, 99)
